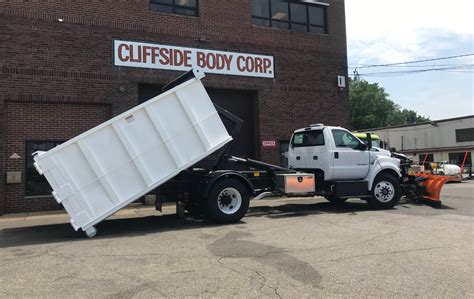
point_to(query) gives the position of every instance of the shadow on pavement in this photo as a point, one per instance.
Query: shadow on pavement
(111, 228)
(125, 227)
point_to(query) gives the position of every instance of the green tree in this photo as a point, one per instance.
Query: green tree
(370, 107)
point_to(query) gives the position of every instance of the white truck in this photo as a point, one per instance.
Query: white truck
(178, 143)
(345, 167)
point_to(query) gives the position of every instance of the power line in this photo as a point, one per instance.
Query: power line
(415, 66)
(466, 67)
(415, 61)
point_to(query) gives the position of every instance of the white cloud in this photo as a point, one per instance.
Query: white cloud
(384, 31)
(381, 31)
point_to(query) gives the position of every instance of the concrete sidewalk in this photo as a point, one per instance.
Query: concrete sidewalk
(60, 216)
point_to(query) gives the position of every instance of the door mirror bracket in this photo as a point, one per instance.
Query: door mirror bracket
(369, 141)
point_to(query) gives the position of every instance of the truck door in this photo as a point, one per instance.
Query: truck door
(307, 150)
(351, 159)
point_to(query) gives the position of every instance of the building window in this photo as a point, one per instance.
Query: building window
(458, 158)
(426, 157)
(290, 15)
(179, 7)
(36, 184)
(464, 135)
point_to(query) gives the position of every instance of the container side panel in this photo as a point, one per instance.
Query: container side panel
(195, 97)
(171, 115)
(75, 164)
(158, 162)
(188, 144)
(107, 149)
(140, 132)
(214, 130)
(97, 198)
(126, 181)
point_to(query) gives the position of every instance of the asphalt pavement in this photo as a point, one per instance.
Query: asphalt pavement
(283, 248)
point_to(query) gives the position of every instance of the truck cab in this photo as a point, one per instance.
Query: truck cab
(344, 166)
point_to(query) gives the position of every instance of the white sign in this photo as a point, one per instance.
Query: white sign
(269, 143)
(155, 56)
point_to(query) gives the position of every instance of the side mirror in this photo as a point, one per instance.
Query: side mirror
(369, 141)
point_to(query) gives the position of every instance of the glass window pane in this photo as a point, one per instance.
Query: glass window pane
(299, 27)
(308, 138)
(298, 13)
(315, 29)
(261, 8)
(170, 2)
(187, 3)
(281, 25)
(316, 15)
(344, 139)
(261, 22)
(187, 12)
(279, 10)
(161, 8)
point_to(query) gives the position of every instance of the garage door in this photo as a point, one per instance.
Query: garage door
(240, 103)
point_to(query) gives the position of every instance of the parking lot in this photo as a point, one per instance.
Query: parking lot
(283, 248)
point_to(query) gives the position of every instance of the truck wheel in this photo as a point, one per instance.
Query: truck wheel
(228, 201)
(335, 200)
(386, 192)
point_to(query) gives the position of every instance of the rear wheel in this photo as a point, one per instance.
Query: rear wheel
(386, 192)
(228, 201)
(334, 199)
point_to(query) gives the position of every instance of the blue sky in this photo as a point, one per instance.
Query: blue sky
(388, 31)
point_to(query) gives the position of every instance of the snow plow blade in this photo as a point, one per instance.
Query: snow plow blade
(431, 186)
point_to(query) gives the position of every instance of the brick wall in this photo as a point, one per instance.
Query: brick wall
(33, 121)
(66, 69)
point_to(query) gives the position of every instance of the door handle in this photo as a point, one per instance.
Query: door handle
(298, 158)
(336, 155)
(315, 157)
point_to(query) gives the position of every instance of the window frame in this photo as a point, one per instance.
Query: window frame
(359, 142)
(310, 145)
(459, 158)
(174, 7)
(464, 135)
(27, 157)
(289, 22)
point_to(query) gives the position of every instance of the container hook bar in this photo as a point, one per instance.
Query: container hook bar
(193, 73)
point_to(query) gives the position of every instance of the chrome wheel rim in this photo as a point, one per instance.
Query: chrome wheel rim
(384, 191)
(229, 200)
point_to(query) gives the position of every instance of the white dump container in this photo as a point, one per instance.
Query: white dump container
(104, 169)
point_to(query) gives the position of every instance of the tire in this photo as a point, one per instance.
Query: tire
(335, 200)
(386, 192)
(227, 201)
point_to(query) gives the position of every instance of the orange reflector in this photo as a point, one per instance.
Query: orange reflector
(256, 174)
